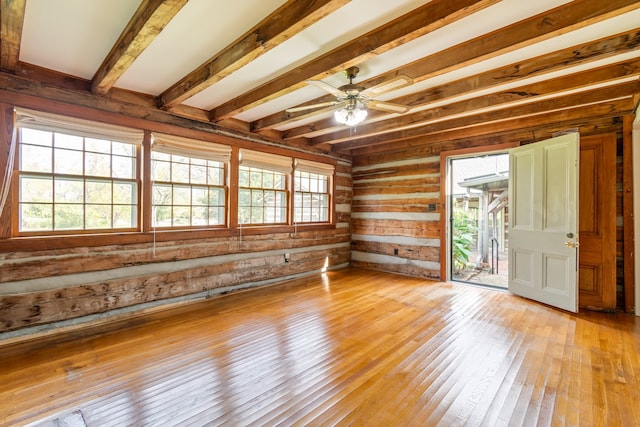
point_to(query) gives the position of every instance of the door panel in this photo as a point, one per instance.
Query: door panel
(543, 195)
(597, 266)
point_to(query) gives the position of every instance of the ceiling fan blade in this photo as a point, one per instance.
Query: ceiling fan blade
(327, 87)
(388, 85)
(312, 107)
(388, 106)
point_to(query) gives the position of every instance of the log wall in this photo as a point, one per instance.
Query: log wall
(396, 216)
(49, 283)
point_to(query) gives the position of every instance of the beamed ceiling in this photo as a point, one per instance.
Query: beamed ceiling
(478, 67)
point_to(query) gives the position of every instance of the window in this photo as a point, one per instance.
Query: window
(75, 174)
(312, 191)
(189, 182)
(263, 190)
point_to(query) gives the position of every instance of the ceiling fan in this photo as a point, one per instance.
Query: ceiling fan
(353, 100)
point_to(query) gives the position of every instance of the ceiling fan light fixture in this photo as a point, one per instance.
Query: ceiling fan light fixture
(351, 114)
(350, 117)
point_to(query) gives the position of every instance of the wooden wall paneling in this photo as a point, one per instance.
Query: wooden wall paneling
(628, 213)
(6, 132)
(97, 274)
(395, 213)
(192, 276)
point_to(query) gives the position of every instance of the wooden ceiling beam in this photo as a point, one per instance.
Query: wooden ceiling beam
(543, 64)
(586, 125)
(432, 16)
(287, 21)
(11, 21)
(569, 17)
(604, 98)
(498, 100)
(144, 26)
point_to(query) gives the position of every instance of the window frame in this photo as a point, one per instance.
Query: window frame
(11, 240)
(191, 149)
(87, 130)
(320, 170)
(262, 163)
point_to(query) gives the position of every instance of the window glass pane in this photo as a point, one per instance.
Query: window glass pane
(97, 164)
(216, 197)
(279, 182)
(68, 141)
(268, 180)
(255, 178)
(243, 178)
(61, 197)
(69, 190)
(98, 216)
(162, 195)
(98, 192)
(257, 215)
(180, 172)
(160, 171)
(68, 216)
(36, 189)
(35, 159)
(244, 198)
(36, 217)
(215, 175)
(198, 174)
(124, 216)
(97, 145)
(36, 137)
(125, 193)
(124, 167)
(181, 195)
(311, 198)
(122, 149)
(68, 162)
(162, 216)
(181, 215)
(199, 215)
(257, 198)
(155, 155)
(200, 196)
(216, 216)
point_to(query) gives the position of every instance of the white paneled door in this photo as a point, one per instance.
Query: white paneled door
(543, 223)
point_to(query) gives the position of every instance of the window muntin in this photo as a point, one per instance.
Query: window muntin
(187, 191)
(72, 182)
(312, 191)
(311, 197)
(262, 196)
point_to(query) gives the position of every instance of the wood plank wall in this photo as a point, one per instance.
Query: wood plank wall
(393, 194)
(79, 283)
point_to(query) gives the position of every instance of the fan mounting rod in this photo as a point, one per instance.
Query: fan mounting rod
(352, 90)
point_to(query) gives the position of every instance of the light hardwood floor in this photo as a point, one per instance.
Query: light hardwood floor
(353, 347)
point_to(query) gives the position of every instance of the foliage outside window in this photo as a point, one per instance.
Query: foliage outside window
(263, 191)
(464, 229)
(81, 176)
(189, 182)
(312, 191)
(72, 175)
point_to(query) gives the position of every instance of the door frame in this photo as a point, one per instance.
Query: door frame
(445, 243)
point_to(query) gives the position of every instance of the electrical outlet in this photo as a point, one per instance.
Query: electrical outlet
(286, 257)
(395, 251)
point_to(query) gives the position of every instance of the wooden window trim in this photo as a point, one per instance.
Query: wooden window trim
(145, 234)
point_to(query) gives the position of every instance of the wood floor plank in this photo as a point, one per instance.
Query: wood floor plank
(352, 347)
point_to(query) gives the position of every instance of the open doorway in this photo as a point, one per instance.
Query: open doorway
(479, 219)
